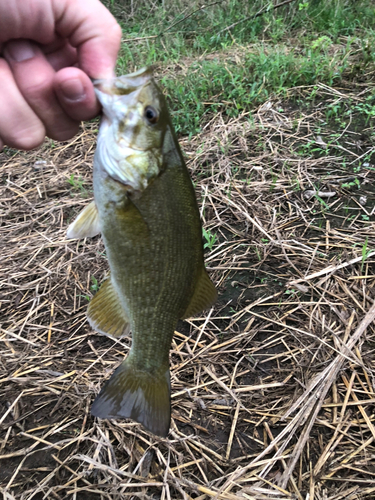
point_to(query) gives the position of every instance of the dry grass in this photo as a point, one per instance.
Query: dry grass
(273, 389)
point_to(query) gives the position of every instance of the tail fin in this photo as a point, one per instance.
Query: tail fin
(139, 395)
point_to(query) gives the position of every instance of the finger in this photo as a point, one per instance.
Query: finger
(19, 125)
(76, 94)
(95, 33)
(87, 24)
(61, 56)
(34, 77)
(33, 20)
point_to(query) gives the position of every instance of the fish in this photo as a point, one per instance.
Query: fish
(146, 210)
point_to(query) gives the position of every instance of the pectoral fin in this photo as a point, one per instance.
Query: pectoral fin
(106, 314)
(139, 395)
(86, 224)
(204, 296)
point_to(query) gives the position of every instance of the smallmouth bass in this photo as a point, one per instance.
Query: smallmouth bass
(145, 207)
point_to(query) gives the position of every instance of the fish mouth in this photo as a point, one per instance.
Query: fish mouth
(125, 84)
(117, 94)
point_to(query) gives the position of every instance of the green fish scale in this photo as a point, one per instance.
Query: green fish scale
(155, 254)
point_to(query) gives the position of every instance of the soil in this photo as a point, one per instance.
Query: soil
(282, 318)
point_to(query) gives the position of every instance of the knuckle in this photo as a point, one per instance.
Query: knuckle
(37, 89)
(117, 32)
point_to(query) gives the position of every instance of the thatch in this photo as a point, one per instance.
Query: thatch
(273, 388)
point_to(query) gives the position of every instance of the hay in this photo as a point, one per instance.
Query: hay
(273, 388)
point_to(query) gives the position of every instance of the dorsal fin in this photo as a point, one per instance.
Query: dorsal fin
(204, 296)
(86, 224)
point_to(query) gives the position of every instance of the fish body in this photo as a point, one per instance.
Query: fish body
(146, 210)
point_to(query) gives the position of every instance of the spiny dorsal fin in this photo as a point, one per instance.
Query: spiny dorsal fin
(136, 394)
(106, 314)
(204, 296)
(86, 224)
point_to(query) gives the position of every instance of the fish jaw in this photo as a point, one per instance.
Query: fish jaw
(125, 83)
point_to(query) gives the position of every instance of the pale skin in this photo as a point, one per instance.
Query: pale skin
(49, 50)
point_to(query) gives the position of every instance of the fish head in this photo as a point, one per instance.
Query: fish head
(132, 129)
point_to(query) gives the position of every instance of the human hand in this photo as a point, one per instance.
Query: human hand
(49, 49)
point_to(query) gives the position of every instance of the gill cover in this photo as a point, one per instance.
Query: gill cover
(132, 130)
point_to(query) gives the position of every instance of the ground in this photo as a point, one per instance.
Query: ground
(266, 399)
(273, 388)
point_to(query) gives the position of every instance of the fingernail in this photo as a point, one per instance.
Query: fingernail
(73, 89)
(20, 50)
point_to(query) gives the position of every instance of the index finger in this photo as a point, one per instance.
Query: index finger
(92, 29)
(87, 24)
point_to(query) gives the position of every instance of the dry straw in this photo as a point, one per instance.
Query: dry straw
(273, 389)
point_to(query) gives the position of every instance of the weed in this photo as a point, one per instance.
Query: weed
(274, 181)
(296, 186)
(346, 210)
(210, 239)
(365, 254)
(87, 297)
(322, 43)
(95, 286)
(77, 184)
(353, 183)
(291, 291)
(323, 204)
(366, 109)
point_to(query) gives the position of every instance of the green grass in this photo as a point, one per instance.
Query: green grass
(213, 86)
(365, 253)
(77, 184)
(233, 71)
(210, 239)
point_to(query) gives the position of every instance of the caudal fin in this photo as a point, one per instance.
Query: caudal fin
(139, 395)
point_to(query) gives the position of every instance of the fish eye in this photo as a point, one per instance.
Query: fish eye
(151, 115)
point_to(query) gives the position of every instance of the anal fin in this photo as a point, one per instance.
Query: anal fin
(86, 224)
(205, 295)
(105, 312)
